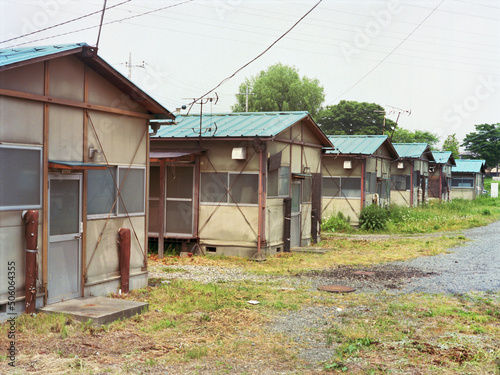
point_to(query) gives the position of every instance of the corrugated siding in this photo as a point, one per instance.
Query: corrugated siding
(468, 166)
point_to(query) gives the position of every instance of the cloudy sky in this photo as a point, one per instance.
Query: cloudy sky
(439, 59)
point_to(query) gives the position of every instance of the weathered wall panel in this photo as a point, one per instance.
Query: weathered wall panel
(22, 121)
(65, 133)
(66, 78)
(27, 78)
(119, 137)
(275, 221)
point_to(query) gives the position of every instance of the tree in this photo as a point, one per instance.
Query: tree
(280, 88)
(451, 144)
(350, 117)
(484, 143)
(418, 136)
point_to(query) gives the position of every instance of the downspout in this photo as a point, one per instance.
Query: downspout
(31, 235)
(411, 184)
(363, 170)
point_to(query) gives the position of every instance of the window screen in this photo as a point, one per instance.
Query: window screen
(279, 182)
(132, 183)
(350, 187)
(101, 191)
(307, 190)
(371, 182)
(180, 182)
(400, 182)
(244, 188)
(213, 187)
(331, 186)
(20, 177)
(462, 182)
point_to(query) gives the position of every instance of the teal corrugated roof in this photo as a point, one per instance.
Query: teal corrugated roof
(356, 144)
(15, 55)
(410, 150)
(443, 157)
(468, 166)
(247, 124)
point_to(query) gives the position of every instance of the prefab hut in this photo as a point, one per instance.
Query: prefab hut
(245, 184)
(410, 174)
(356, 173)
(467, 178)
(73, 148)
(440, 175)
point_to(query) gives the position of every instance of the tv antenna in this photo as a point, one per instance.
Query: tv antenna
(201, 102)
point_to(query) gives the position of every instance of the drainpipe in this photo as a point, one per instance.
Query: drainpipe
(31, 235)
(124, 247)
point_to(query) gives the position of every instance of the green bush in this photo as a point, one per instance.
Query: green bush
(373, 218)
(337, 223)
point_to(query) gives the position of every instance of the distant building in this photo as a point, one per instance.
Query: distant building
(467, 178)
(440, 175)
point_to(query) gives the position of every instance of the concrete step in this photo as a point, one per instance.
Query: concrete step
(101, 310)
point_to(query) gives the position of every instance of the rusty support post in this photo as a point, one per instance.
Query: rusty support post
(287, 226)
(124, 254)
(161, 210)
(31, 235)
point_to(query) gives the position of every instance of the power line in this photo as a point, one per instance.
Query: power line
(262, 53)
(388, 55)
(107, 23)
(63, 23)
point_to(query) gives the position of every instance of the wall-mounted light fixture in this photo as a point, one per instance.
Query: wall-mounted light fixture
(94, 153)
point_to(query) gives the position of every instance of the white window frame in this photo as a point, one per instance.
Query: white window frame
(40, 195)
(228, 202)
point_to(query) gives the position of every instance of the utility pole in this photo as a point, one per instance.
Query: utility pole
(130, 66)
(247, 94)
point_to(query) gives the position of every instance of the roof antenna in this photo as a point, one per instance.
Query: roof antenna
(100, 25)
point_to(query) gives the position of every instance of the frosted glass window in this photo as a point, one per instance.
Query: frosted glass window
(213, 187)
(64, 206)
(101, 191)
(20, 178)
(462, 182)
(279, 182)
(132, 184)
(350, 187)
(307, 190)
(244, 188)
(331, 186)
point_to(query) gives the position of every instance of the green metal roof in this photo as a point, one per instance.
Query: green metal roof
(469, 166)
(413, 150)
(443, 157)
(357, 144)
(239, 125)
(9, 56)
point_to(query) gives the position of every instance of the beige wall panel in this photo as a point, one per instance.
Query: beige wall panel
(65, 133)
(309, 136)
(335, 167)
(333, 206)
(275, 147)
(274, 221)
(306, 221)
(106, 262)
(296, 165)
(296, 132)
(228, 224)
(66, 78)
(220, 155)
(21, 121)
(119, 137)
(104, 93)
(286, 134)
(312, 159)
(27, 78)
(401, 198)
(462, 193)
(13, 250)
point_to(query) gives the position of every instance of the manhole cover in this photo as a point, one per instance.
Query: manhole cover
(336, 288)
(364, 273)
